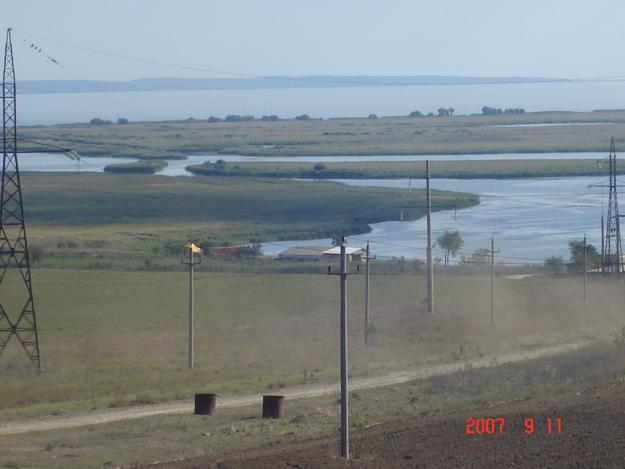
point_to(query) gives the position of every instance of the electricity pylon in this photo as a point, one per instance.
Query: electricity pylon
(14, 257)
(613, 260)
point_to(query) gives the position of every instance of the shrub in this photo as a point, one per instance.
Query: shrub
(516, 110)
(490, 111)
(98, 121)
(555, 265)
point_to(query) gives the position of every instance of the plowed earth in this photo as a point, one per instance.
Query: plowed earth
(593, 435)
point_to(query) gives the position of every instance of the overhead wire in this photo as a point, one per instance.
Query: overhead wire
(212, 71)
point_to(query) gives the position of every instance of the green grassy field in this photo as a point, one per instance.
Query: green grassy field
(111, 338)
(105, 220)
(398, 169)
(384, 136)
(138, 167)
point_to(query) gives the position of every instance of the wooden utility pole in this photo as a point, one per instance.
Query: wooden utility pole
(602, 248)
(367, 259)
(192, 261)
(492, 281)
(430, 267)
(190, 308)
(585, 271)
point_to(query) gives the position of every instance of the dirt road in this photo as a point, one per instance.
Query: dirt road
(297, 392)
(590, 434)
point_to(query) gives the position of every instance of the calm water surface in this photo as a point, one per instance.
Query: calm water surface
(318, 102)
(530, 219)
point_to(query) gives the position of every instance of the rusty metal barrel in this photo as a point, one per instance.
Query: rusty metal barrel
(272, 407)
(205, 403)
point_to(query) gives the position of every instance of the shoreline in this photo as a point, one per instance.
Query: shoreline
(475, 169)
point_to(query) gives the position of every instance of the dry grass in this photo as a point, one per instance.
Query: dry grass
(393, 135)
(230, 430)
(395, 170)
(111, 338)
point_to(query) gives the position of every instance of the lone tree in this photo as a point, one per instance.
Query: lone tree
(450, 242)
(576, 248)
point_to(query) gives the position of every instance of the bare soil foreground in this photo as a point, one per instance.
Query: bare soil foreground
(592, 435)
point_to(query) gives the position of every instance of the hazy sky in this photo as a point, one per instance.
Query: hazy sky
(557, 38)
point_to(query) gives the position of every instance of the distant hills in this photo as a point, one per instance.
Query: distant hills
(311, 81)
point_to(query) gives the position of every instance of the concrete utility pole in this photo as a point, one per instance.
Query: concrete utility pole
(192, 261)
(585, 271)
(343, 339)
(367, 259)
(492, 280)
(344, 383)
(430, 267)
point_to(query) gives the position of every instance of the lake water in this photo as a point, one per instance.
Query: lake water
(318, 102)
(58, 162)
(530, 219)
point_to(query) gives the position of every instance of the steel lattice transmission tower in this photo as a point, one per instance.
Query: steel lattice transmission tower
(613, 258)
(14, 257)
